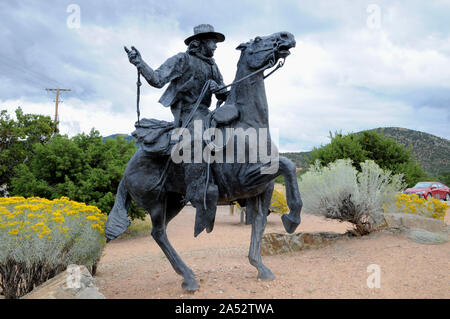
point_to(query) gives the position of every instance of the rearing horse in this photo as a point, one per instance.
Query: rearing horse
(242, 181)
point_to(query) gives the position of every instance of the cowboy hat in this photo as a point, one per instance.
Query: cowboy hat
(205, 31)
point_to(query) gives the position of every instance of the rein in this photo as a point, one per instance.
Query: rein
(268, 66)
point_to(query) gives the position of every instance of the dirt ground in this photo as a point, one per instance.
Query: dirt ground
(137, 268)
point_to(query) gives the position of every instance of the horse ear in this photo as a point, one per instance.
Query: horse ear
(242, 46)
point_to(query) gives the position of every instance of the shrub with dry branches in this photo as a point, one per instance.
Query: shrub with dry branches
(339, 191)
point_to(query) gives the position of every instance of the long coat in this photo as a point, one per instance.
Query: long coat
(187, 75)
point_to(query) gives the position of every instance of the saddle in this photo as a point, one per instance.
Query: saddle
(154, 136)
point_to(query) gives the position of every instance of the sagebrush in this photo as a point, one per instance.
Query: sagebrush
(339, 191)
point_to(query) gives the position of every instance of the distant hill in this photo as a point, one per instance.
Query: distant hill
(299, 158)
(125, 136)
(432, 152)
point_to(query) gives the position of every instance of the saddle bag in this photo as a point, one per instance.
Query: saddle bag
(153, 136)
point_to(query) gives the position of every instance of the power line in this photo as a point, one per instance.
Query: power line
(27, 71)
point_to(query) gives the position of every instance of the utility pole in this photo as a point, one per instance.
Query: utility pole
(57, 101)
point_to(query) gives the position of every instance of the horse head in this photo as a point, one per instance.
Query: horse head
(262, 51)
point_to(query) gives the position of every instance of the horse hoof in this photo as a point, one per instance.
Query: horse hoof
(189, 285)
(266, 275)
(289, 224)
(210, 227)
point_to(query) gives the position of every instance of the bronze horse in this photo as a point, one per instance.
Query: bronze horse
(236, 181)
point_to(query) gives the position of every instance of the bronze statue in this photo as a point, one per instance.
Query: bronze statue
(187, 73)
(162, 186)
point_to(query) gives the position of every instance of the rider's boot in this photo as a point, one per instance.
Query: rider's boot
(204, 218)
(205, 204)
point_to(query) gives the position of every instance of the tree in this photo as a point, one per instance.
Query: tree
(17, 138)
(370, 145)
(444, 177)
(84, 168)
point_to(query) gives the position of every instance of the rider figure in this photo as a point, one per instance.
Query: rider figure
(187, 73)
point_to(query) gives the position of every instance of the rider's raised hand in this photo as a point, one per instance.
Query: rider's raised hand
(133, 55)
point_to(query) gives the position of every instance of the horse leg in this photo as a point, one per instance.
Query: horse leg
(259, 206)
(286, 168)
(175, 204)
(294, 201)
(160, 213)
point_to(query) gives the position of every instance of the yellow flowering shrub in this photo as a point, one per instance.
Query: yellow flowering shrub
(278, 203)
(38, 234)
(413, 204)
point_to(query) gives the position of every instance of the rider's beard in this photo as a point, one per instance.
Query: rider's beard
(207, 51)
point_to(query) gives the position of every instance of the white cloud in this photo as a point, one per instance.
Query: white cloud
(342, 76)
(76, 116)
(349, 83)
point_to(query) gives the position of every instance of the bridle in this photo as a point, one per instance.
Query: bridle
(262, 69)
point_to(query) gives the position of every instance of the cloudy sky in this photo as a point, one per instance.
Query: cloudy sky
(357, 65)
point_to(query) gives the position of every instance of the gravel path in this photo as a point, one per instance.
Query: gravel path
(137, 268)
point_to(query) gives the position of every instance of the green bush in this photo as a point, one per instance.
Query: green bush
(17, 137)
(280, 178)
(339, 191)
(370, 145)
(443, 177)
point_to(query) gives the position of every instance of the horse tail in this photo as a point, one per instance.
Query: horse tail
(118, 222)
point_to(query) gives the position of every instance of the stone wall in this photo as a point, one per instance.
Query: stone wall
(420, 229)
(280, 242)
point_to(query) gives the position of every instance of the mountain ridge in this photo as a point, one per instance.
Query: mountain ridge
(430, 151)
